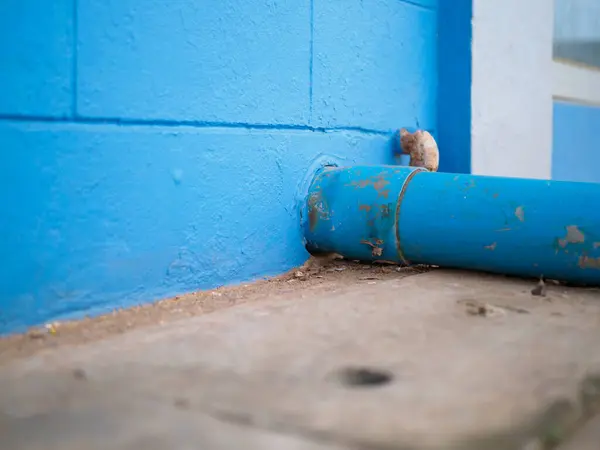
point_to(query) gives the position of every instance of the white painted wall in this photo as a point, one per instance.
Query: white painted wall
(512, 83)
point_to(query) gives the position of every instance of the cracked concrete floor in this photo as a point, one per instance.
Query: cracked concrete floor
(442, 359)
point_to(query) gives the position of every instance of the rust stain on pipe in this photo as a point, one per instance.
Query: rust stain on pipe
(315, 211)
(379, 182)
(573, 236)
(585, 262)
(520, 213)
(312, 218)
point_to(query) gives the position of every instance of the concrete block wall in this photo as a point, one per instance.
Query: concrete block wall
(154, 147)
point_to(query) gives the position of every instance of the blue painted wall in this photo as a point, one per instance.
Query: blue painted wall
(576, 152)
(149, 148)
(454, 87)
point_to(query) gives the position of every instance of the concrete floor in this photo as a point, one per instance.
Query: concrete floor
(443, 359)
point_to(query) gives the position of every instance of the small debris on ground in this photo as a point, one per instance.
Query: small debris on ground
(79, 374)
(36, 333)
(540, 289)
(476, 308)
(420, 268)
(181, 403)
(515, 309)
(43, 332)
(316, 266)
(376, 250)
(52, 328)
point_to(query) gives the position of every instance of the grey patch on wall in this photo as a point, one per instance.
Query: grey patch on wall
(584, 52)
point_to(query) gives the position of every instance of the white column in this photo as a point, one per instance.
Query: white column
(512, 83)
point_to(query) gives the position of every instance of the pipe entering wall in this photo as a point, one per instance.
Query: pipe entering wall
(522, 227)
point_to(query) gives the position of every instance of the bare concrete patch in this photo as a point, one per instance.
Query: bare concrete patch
(371, 360)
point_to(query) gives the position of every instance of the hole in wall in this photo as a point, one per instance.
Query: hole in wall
(364, 377)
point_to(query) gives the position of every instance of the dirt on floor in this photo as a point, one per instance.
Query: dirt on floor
(318, 274)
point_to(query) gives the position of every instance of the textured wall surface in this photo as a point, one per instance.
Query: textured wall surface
(576, 155)
(149, 148)
(37, 58)
(227, 61)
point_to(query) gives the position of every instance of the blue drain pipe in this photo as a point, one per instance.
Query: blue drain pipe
(522, 227)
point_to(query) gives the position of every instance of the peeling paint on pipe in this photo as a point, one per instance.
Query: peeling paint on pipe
(522, 227)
